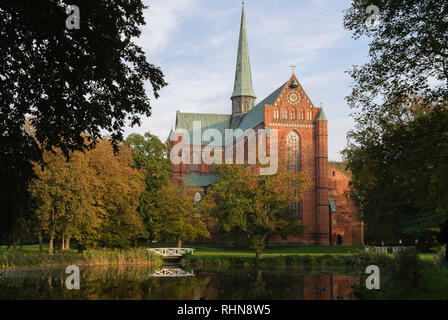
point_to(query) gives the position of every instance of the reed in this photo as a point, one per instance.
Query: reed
(93, 257)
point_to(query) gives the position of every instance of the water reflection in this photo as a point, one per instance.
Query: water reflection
(172, 272)
(176, 283)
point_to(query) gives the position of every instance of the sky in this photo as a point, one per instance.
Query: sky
(195, 43)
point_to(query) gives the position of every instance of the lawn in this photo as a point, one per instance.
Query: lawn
(309, 250)
(217, 250)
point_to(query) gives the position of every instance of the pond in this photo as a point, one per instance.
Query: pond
(175, 283)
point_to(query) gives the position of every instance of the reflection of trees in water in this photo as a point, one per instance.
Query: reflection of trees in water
(98, 283)
(136, 283)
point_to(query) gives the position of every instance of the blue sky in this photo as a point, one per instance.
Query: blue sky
(195, 43)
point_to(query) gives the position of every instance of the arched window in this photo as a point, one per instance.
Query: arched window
(276, 114)
(293, 163)
(285, 115)
(293, 115)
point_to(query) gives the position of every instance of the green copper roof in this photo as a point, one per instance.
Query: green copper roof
(243, 75)
(256, 116)
(321, 116)
(219, 122)
(198, 180)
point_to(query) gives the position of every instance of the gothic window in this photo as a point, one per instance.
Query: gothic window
(301, 115)
(293, 115)
(285, 115)
(293, 164)
(276, 114)
(293, 152)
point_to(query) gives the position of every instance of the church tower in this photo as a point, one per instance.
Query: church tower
(243, 97)
(322, 191)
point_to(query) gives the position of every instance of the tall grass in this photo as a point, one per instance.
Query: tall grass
(93, 257)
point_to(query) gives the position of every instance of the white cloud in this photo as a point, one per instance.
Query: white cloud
(195, 43)
(162, 19)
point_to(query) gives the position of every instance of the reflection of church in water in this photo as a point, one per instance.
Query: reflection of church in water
(327, 213)
(266, 286)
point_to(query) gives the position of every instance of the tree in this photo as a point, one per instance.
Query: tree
(63, 196)
(398, 148)
(408, 54)
(151, 156)
(116, 193)
(258, 206)
(398, 177)
(176, 217)
(92, 198)
(68, 82)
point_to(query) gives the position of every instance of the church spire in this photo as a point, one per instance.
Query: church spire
(243, 97)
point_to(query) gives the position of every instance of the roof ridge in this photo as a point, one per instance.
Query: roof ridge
(212, 114)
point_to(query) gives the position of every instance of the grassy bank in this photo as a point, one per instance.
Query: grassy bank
(33, 258)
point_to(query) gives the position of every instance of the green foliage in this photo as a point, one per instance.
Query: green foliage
(175, 217)
(91, 257)
(92, 198)
(398, 150)
(66, 83)
(256, 206)
(400, 275)
(151, 156)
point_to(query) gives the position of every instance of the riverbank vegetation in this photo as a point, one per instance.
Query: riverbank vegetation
(98, 257)
(102, 199)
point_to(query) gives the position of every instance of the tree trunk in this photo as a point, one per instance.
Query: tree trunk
(50, 246)
(39, 235)
(20, 236)
(258, 253)
(57, 244)
(179, 243)
(63, 243)
(14, 241)
(67, 243)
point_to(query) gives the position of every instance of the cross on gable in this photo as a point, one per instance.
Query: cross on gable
(293, 67)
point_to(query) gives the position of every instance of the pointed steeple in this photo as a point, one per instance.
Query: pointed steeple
(321, 116)
(243, 96)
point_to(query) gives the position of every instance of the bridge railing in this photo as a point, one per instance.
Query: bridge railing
(172, 272)
(171, 252)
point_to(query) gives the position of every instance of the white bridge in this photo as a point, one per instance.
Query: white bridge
(171, 252)
(172, 273)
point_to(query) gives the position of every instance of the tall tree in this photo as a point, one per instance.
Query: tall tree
(116, 196)
(63, 196)
(68, 81)
(397, 152)
(176, 217)
(92, 198)
(151, 156)
(258, 206)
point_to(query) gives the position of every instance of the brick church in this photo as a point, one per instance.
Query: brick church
(328, 214)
